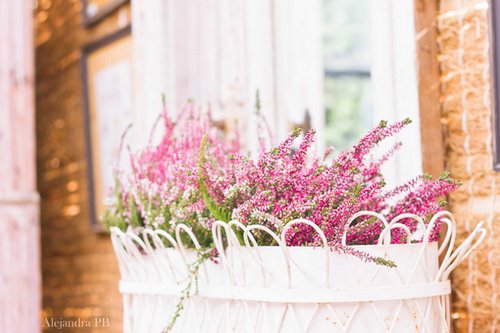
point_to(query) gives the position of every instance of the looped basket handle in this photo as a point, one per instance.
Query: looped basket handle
(217, 227)
(118, 241)
(461, 253)
(182, 249)
(380, 217)
(156, 244)
(130, 246)
(321, 235)
(251, 243)
(159, 260)
(282, 246)
(385, 235)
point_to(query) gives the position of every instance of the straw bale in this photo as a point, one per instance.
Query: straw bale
(466, 109)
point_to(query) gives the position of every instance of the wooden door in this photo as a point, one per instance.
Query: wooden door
(19, 226)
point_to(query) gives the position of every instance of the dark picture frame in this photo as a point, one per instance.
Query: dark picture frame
(95, 191)
(108, 7)
(495, 61)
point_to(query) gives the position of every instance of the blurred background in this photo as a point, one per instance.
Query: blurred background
(75, 73)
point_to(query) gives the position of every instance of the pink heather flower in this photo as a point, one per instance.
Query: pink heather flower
(282, 185)
(163, 186)
(195, 176)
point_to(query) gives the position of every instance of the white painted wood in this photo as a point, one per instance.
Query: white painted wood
(20, 287)
(152, 60)
(394, 82)
(220, 52)
(299, 63)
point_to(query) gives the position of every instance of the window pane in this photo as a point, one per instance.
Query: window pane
(346, 34)
(348, 110)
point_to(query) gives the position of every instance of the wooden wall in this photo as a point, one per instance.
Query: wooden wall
(220, 52)
(19, 228)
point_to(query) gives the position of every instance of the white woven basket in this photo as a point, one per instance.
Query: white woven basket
(290, 289)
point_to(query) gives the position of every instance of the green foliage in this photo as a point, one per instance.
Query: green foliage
(385, 262)
(296, 132)
(135, 218)
(192, 279)
(348, 113)
(407, 121)
(115, 217)
(218, 212)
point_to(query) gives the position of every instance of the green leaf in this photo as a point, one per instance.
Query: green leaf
(218, 212)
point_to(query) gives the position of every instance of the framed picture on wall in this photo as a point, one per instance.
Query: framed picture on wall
(107, 105)
(96, 10)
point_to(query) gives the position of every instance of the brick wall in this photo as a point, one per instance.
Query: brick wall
(79, 270)
(466, 113)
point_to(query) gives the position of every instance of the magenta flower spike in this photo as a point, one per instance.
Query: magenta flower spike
(195, 176)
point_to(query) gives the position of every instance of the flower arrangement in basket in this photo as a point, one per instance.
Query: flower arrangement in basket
(210, 240)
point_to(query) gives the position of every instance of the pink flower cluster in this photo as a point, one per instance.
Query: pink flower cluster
(282, 185)
(162, 189)
(196, 176)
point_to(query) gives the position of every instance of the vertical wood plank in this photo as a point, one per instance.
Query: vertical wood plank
(299, 69)
(394, 83)
(19, 229)
(433, 147)
(221, 52)
(259, 69)
(152, 72)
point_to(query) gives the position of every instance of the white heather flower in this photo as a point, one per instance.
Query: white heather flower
(187, 194)
(159, 220)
